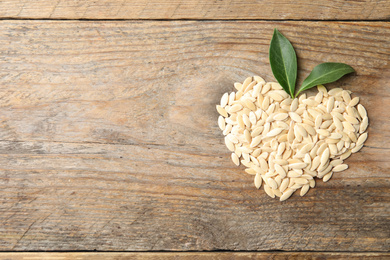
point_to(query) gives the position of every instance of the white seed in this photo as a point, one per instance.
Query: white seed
(235, 159)
(256, 152)
(322, 89)
(361, 139)
(258, 180)
(228, 129)
(314, 113)
(238, 86)
(266, 88)
(306, 148)
(319, 97)
(232, 97)
(272, 183)
(307, 160)
(326, 124)
(246, 157)
(294, 105)
(271, 109)
(254, 160)
(357, 149)
(275, 96)
(354, 102)
(336, 162)
(333, 149)
(277, 193)
(346, 96)
(258, 113)
(338, 123)
(362, 111)
(247, 135)
(284, 184)
(257, 131)
(235, 108)
(309, 129)
(274, 132)
(246, 82)
(263, 163)
(281, 162)
(269, 192)
(240, 122)
(318, 121)
(310, 102)
(305, 188)
(255, 141)
(340, 145)
(327, 177)
(340, 167)
(290, 134)
(221, 123)
(222, 111)
(224, 99)
(280, 170)
(246, 120)
(301, 130)
(229, 144)
(276, 86)
(330, 104)
(351, 119)
(335, 136)
(266, 103)
(334, 91)
(232, 138)
(313, 151)
(363, 125)
(280, 116)
(258, 79)
(249, 104)
(322, 173)
(281, 148)
(250, 171)
(325, 156)
(287, 194)
(294, 116)
(348, 127)
(322, 148)
(323, 132)
(301, 181)
(315, 163)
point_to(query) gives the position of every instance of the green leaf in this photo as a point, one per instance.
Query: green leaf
(325, 73)
(283, 62)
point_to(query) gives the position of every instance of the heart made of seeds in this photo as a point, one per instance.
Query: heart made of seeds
(286, 143)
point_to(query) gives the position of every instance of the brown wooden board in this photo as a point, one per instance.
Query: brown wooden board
(198, 9)
(194, 256)
(109, 138)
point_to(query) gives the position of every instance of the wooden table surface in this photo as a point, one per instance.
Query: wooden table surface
(109, 139)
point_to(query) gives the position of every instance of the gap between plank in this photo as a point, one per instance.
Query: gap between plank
(190, 19)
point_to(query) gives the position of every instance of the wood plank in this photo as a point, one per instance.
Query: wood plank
(109, 138)
(198, 9)
(194, 256)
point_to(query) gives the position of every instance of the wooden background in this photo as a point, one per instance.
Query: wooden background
(109, 138)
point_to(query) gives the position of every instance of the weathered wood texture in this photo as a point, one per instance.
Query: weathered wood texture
(109, 139)
(198, 9)
(193, 256)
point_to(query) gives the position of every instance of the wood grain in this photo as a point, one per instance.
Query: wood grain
(194, 256)
(109, 139)
(198, 9)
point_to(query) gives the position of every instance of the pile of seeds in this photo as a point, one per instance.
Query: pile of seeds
(286, 142)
